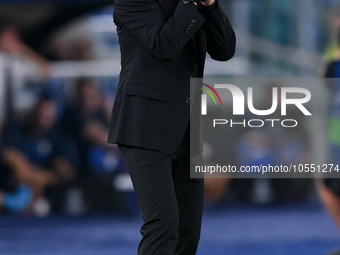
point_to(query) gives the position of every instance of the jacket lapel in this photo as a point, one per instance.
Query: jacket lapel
(168, 6)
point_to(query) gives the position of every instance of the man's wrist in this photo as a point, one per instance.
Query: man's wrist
(208, 2)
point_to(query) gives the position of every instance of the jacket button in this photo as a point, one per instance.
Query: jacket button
(193, 75)
(187, 100)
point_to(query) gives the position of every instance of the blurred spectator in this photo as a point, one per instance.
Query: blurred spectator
(60, 49)
(18, 64)
(329, 188)
(40, 161)
(266, 145)
(275, 146)
(87, 121)
(38, 154)
(333, 51)
(11, 43)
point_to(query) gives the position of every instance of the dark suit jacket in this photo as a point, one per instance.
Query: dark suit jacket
(163, 44)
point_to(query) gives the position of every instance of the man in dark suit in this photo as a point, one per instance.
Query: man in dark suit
(163, 44)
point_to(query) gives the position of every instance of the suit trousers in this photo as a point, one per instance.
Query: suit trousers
(171, 203)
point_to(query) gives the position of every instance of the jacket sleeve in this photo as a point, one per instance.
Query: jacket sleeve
(221, 39)
(163, 37)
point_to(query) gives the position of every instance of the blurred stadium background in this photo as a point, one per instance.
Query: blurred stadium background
(63, 190)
